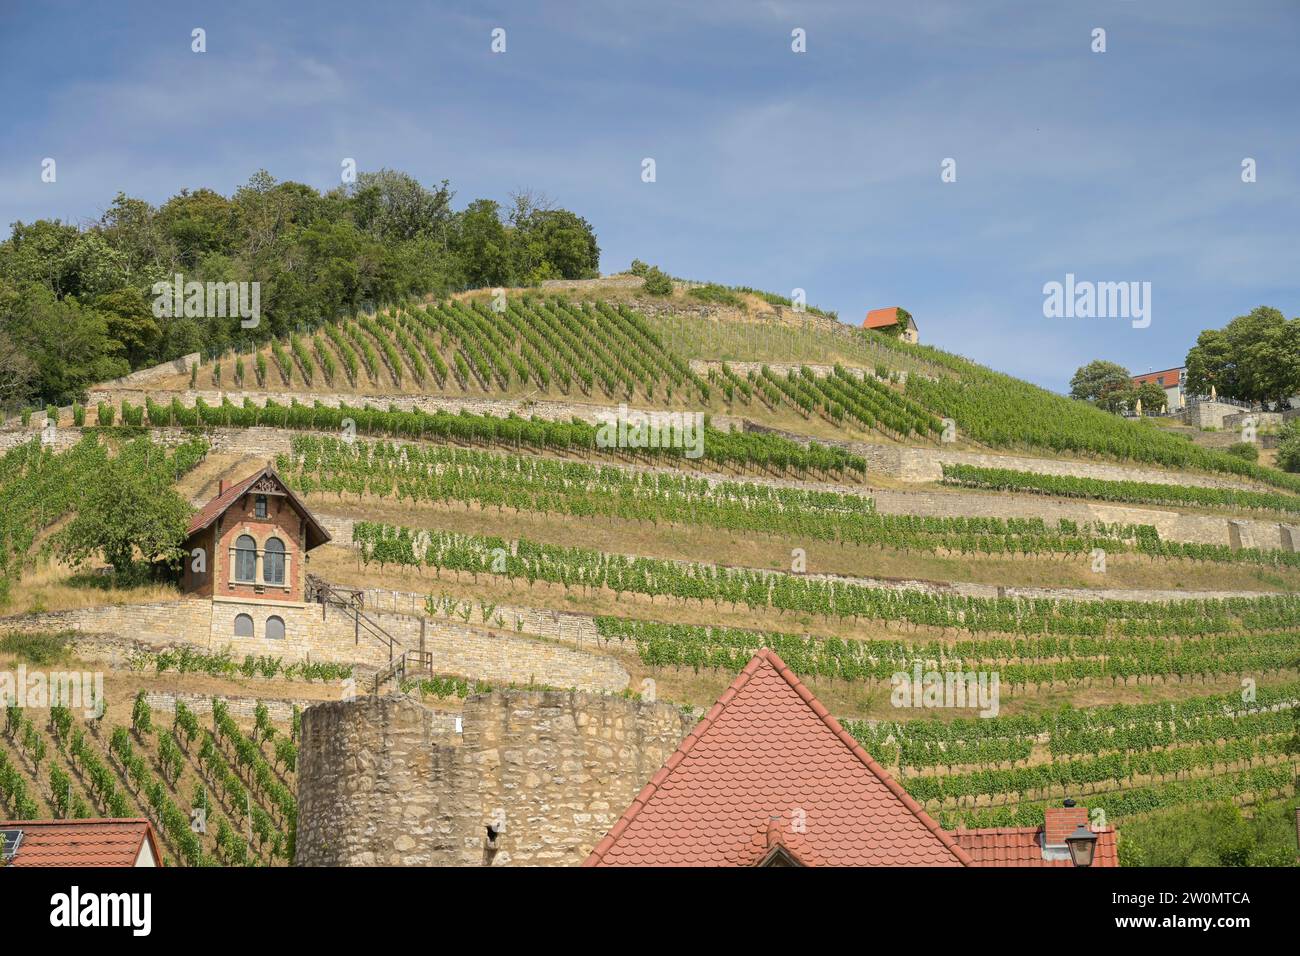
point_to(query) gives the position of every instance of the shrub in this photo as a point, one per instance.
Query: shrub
(78, 415)
(36, 647)
(720, 295)
(1288, 449)
(657, 282)
(1246, 451)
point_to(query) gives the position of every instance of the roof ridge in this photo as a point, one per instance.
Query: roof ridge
(858, 751)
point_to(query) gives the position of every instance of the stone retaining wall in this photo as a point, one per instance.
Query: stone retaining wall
(316, 632)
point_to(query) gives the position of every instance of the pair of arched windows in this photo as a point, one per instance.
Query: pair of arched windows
(274, 627)
(246, 560)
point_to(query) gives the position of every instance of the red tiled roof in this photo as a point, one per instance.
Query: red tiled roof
(1023, 846)
(1153, 376)
(881, 318)
(82, 843)
(218, 505)
(766, 765)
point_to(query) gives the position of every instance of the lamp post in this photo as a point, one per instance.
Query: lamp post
(1082, 844)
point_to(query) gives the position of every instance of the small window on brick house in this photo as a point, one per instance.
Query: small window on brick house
(275, 628)
(243, 625)
(260, 506)
(245, 558)
(273, 562)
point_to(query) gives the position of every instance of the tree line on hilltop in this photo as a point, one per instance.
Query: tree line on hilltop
(77, 303)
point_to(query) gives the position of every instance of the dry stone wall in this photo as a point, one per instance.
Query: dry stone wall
(324, 633)
(380, 782)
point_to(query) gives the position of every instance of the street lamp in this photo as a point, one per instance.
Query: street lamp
(1083, 845)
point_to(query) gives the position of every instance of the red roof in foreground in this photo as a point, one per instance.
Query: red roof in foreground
(218, 506)
(1023, 846)
(881, 318)
(769, 770)
(98, 842)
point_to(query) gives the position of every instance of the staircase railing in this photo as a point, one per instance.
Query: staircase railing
(403, 664)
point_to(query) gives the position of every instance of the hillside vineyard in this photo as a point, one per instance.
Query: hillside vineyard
(881, 515)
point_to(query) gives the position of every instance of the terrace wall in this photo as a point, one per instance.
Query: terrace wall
(317, 632)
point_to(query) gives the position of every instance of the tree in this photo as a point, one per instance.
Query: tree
(558, 241)
(131, 323)
(482, 245)
(1092, 381)
(1152, 396)
(1256, 357)
(1119, 399)
(128, 507)
(394, 207)
(1288, 446)
(196, 224)
(16, 372)
(68, 343)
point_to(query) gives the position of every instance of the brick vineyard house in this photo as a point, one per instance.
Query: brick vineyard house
(893, 319)
(78, 843)
(253, 539)
(769, 778)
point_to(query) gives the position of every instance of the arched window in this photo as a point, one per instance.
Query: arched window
(275, 628)
(243, 625)
(273, 562)
(245, 559)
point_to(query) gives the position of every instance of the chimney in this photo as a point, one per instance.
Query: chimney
(221, 487)
(1060, 822)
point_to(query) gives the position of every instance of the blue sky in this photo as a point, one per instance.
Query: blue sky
(779, 170)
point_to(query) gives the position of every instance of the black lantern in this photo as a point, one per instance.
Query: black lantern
(1083, 845)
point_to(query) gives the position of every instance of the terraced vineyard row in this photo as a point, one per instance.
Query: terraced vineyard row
(529, 484)
(1070, 731)
(1024, 663)
(108, 773)
(1137, 492)
(547, 343)
(841, 398)
(1004, 412)
(1103, 750)
(1253, 784)
(587, 569)
(764, 452)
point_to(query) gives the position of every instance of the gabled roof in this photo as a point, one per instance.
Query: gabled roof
(316, 534)
(883, 318)
(769, 766)
(82, 843)
(1023, 846)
